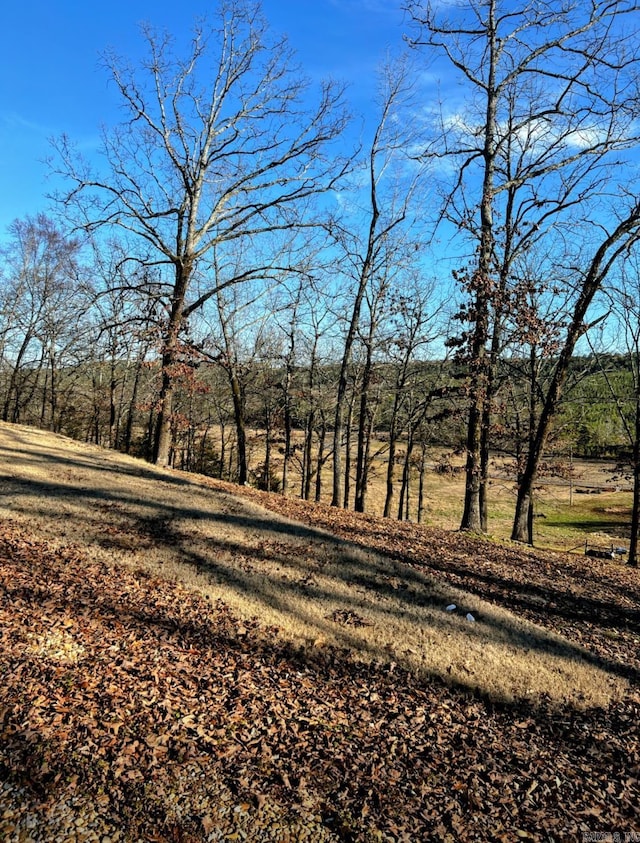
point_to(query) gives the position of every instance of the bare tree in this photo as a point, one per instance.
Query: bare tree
(124, 333)
(236, 363)
(46, 302)
(377, 304)
(624, 298)
(218, 147)
(290, 315)
(587, 283)
(314, 398)
(414, 322)
(550, 99)
(381, 230)
(543, 297)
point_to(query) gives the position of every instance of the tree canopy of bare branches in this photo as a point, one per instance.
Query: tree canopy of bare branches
(218, 145)
(549, 101)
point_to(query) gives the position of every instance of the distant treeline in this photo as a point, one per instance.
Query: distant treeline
(412, 410)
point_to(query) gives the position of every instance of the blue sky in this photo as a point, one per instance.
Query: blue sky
(52, 81)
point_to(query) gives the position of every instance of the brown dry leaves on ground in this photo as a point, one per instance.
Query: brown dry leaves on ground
(133, 708)
(317, 589)
(593, 602)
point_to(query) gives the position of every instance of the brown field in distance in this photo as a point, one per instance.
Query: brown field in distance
(593, 506)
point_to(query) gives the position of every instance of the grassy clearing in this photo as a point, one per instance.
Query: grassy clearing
(601, 519)
(588, 507)
(317, 590)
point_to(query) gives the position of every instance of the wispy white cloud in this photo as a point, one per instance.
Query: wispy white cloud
(13, 121)
(532, 135)
(28, 132)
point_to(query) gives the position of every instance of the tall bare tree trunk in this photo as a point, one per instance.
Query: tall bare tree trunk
(635, 508)
(163, 433)
(423, 475)
(347, 450)
(614, 244)
(391, 457)
(472, 518)
(321, 458)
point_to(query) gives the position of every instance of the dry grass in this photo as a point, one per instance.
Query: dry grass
(317, 590)
(593, 506)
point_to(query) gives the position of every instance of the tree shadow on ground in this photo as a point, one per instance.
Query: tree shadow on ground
(361, 583)
(251, 709)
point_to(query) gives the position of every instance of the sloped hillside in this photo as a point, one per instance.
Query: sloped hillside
(178, 663)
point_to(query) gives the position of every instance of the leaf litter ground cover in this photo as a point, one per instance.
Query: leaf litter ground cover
(317, 589)
(132, 708)
(593, 602)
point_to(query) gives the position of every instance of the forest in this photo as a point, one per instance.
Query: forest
(238, 288)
